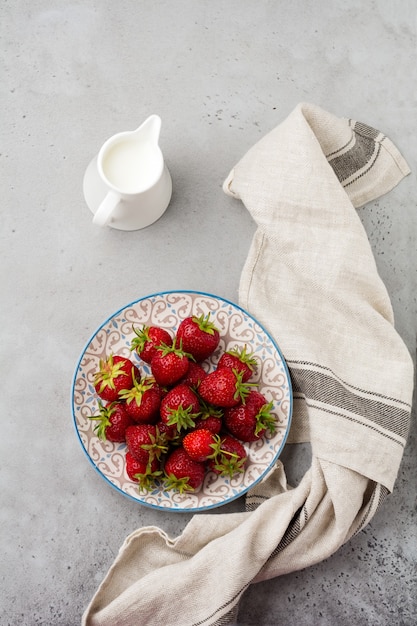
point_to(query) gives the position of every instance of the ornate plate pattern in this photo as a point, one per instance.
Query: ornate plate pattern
(236, 328)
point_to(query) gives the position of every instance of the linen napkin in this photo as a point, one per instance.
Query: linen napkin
(311, 280)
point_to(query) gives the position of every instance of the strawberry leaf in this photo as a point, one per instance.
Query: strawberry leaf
(172, 483)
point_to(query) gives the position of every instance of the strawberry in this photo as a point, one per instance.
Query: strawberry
(200, 444)
(114, 374)
(142, 472)
(169, 433)
(145, 442)
(169, 365)
(198, 336)
(224, 387)
(182, 473)
(112, 422)
(180, 407)
(147, 339)
(230, 457)
(249, 421)
(211, 423)
(239, 359)
(143, 400)
(209, 418)
(195, 374)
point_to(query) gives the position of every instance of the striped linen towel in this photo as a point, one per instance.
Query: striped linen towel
(311, 280)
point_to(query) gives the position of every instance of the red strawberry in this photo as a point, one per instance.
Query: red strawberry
(182, 473)
(169, 433)
(195, 374)
(114, 374)
(143, 401)
(145, 442)
(169, 365)
(147, 339)
(142, 472)
(198, 336)
(240, 360)
(211, 423)
(180, 407)
(210, 418)
(200, 444)
(249, 421)
(230, 457)
(113, 420)
(224, 387)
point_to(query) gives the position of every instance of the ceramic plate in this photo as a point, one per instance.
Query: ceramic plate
(237, 328)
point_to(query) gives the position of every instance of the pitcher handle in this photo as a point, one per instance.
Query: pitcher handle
(104, 212)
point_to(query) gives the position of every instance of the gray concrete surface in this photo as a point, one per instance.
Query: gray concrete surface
(220, 75)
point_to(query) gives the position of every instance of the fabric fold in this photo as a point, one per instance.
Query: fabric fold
(311, 280)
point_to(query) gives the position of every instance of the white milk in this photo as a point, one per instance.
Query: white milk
(131, 165)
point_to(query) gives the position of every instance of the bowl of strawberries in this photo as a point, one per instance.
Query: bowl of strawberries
(181, 400)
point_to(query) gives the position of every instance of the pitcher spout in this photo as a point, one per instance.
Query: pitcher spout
(150, 129)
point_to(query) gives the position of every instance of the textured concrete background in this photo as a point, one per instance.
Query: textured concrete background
(221, 75)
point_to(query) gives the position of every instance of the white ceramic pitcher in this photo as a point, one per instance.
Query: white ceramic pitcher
(128, 185)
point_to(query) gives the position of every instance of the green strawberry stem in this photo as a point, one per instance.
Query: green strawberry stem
(207, 410)
(182, 418)
(172, 483)
(245, 357)
(103, 419)
(147, 480)
(205, 324)
(157, 447)
(108, 371)
(142, 337)
(229, 464)
(176, 350)
(265, 419)
(137, 391)
(242, 389)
